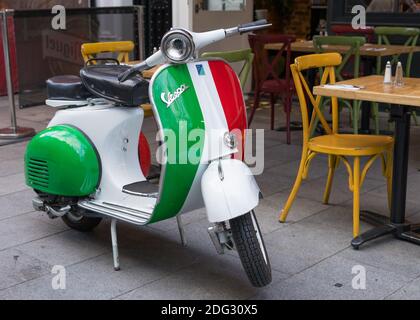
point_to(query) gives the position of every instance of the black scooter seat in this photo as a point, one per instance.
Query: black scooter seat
(102, 81)
(68, 88)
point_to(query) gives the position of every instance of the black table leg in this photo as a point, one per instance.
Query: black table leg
(366, 111)
(366, 105)
(397, 226)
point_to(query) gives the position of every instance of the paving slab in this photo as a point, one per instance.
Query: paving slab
(218, 278)
(303, 244)
(332, 279)
(14, 204)
(17, 267)
(25, 228)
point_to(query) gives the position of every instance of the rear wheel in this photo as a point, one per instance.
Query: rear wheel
(77, 221)
(251, 249)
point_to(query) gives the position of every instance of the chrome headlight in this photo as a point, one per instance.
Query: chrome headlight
(178, 46)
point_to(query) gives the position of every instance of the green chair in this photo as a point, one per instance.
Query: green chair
(246, 56)
(351, 55)
(411, 35)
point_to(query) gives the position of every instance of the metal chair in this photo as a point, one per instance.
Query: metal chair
(337, 146)
(246, 56)
(267, 78)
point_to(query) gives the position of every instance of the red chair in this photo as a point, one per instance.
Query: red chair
(272, 75)
(347, 30)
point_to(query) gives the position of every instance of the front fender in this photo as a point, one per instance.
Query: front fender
(230, 191)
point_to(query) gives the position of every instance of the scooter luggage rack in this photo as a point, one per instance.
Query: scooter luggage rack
(14, 132)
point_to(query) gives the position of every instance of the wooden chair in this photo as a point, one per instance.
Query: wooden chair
(338, 147)
(267, 78)
(352, 55)
(348, 30)
(122, 48)
(246, 56)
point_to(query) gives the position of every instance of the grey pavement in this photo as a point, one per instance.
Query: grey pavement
(310, 255)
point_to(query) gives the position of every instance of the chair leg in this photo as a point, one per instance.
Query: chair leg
(375, 114)
(356, 116)
(254, 107)
(332, 165)
(298, 182)
(288, 111)
(273, 99)
(356, 197)
(416, 120)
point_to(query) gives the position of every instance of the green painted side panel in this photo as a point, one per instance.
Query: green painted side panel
(61, 161)
(181, 118)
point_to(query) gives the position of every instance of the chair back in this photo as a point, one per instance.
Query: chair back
(411, 35)
(264, 67)
(246, 56)
(353, 44)
(121, 48)
(327, 62)
(348, 30)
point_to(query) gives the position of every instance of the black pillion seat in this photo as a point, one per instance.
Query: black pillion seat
(102, 81)
(68, 88)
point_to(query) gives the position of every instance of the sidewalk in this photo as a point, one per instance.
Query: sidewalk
(310, 255)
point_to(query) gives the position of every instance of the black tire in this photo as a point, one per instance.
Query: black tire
(251, 249)
(77, 221)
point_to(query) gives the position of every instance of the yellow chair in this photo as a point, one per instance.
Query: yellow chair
(337, 146)
(122, 49)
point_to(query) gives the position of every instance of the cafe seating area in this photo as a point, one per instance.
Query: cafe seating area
(338, 110)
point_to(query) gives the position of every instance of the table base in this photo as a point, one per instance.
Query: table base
(406, 232)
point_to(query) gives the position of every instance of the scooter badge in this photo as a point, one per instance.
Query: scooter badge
(170, 98)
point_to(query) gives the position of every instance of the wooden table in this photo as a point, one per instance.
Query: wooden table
(369, 50)
(402, 99)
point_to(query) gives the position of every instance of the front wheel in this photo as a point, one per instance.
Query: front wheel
(251, 249)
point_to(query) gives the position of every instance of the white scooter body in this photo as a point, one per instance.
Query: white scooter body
(115, 130)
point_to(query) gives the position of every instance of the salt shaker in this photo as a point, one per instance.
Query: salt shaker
(399, 77)
(388, 73)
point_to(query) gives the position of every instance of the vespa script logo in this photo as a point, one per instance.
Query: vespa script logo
(170, 98)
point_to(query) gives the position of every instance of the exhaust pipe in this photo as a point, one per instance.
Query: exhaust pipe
(39, 205)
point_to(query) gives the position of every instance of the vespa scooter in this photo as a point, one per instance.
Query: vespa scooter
(85, 166)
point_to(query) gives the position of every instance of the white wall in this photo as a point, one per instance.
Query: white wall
(182, 13)
(113, 3)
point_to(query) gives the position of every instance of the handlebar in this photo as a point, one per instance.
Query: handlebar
(132, 71)
(253, 26)
(201, 40)
(248, 27)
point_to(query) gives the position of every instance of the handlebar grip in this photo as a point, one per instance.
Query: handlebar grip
(127, 74)
(254, 24)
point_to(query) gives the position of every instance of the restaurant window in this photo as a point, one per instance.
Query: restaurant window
(386, 6)
(223, 5)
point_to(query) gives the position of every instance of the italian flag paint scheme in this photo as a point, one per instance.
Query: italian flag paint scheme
(202, 95)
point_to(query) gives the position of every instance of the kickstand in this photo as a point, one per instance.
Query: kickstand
(181, 230)
(115, 245)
